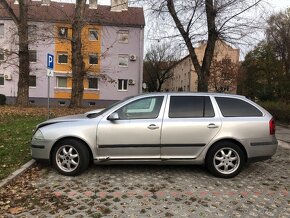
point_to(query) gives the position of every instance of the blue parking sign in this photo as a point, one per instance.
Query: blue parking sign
(50, 61)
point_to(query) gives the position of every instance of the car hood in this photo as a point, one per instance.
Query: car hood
(70, 118)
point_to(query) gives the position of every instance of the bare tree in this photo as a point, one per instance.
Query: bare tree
(21, 21)
(158, 62)
(209, 20)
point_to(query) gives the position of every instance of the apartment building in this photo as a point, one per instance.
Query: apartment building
(112, 47)
(185, 77)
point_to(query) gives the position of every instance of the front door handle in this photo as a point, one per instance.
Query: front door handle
(212, 126)
(153, 126)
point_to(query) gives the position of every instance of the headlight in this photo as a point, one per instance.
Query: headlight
(38, 135)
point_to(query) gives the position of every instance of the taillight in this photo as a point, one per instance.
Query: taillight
(272, 127)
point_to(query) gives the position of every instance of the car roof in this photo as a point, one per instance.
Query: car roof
(192, 93)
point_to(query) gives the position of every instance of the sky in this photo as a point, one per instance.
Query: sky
(279, 4)
(276, 4)
(271, 6)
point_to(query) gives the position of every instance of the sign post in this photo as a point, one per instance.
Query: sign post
(50, 65)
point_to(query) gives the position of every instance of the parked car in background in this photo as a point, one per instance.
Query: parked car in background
(221, 131)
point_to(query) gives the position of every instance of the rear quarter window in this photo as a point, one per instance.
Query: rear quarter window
(232, 107)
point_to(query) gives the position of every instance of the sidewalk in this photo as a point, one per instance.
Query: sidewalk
(283, 136)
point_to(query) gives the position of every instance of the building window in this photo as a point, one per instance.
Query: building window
(32, 81)
(93, 35)
(62, 32)
(123, 36)
(1, 55)
(1, 79)
(93, 83)
(123, 60)
(61, 82)
(122, 84)
(32, 56)
(93, 59)
(1, 29)
(62, 58)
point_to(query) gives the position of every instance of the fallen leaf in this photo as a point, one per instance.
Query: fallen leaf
(15, 210)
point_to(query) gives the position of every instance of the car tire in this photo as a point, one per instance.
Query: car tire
(225, 159)
(70, 157)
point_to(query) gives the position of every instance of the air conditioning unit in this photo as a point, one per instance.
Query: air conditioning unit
(131, 82)
(8, 76)
(133, 57)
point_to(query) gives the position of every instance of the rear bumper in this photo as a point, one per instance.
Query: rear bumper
(257, 159)
(259, 150)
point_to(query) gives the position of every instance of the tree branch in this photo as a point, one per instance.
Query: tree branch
(10, 11)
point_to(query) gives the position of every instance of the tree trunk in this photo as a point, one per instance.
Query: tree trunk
(23, 82)
(203, 70)
(210, 46)
(78, 66)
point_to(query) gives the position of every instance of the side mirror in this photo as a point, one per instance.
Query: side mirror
(113, 116)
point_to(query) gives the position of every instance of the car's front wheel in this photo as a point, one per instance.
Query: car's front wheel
(70, 157)
(225, 159)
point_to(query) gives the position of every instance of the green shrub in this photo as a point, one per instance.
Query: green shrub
(280, 110)
(2, 99)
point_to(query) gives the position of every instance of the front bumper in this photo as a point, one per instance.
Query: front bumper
(40, 149)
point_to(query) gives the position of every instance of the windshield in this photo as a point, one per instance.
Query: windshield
(93, 115)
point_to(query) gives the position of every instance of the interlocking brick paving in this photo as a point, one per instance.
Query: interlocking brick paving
(261, 190)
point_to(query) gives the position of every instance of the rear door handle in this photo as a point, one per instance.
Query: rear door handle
(153, 126)
(212, 126)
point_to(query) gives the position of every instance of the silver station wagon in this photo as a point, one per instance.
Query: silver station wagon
(221, 131)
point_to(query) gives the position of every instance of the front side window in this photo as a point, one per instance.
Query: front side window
(233, 107)
(32, 56)
(32, 81)
(146, 108)
(190, 107)
(62, 32)
(93, 83)
(122, 84)
(61, 82)
(123, 60)
(62, 58)
(93, 59)
(1, 29)
(123, 36)
(93, 35)
(1, 79)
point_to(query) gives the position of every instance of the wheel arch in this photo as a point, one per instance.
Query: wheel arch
(241, 146)
(73, 138)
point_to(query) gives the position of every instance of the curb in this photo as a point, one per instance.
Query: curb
(17, 173)
(283, 144)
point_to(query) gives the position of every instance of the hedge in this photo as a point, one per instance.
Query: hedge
(280, 110)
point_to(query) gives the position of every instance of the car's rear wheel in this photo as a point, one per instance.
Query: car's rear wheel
(225, 159)
(70, 157)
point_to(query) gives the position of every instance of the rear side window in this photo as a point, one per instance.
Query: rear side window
(190, 107)
(232, 107)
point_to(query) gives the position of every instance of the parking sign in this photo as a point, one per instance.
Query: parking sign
(50, 61)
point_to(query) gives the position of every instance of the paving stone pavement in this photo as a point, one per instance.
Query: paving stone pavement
(261, 190)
